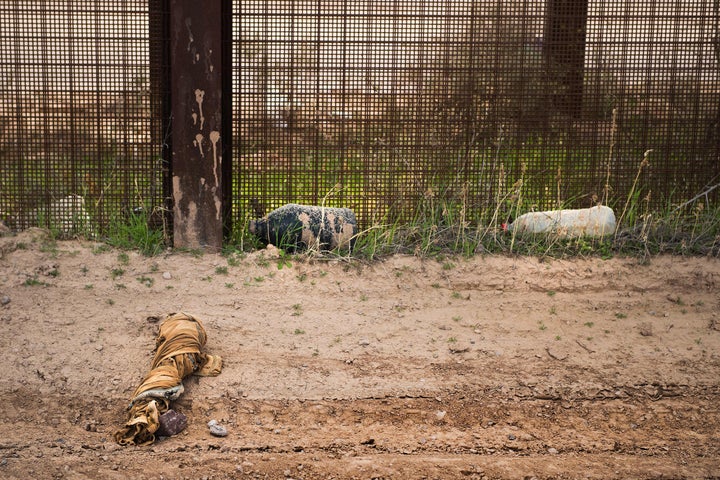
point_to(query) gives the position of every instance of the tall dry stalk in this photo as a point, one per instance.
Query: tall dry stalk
(645, 162)
(613, 133)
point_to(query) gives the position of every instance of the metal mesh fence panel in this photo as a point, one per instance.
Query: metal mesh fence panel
(80, 132)
(389, 108)
(395, 106)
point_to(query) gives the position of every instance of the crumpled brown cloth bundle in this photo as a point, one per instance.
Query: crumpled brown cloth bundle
(178, 353)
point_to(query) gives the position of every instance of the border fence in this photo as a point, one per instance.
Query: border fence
(379, 106)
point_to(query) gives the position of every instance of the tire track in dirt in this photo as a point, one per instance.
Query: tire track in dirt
(467, 433)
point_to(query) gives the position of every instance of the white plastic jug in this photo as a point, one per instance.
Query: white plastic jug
(597, 221)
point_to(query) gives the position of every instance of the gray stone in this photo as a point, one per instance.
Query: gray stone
(216, 429)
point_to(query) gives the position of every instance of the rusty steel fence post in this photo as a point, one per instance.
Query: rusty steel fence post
(196, 83)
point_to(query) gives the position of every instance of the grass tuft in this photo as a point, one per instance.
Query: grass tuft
(133, 232)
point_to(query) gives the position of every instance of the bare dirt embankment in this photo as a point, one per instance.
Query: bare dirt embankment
(491, 367)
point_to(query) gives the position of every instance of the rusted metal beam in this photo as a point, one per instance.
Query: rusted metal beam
(564, 49)
(196, 108)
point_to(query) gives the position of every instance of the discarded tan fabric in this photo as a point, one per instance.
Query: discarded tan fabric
(178, 353)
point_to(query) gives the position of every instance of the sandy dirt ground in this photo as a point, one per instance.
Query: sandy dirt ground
(492, 367)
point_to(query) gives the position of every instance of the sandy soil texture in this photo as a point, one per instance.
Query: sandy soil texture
(492, 367)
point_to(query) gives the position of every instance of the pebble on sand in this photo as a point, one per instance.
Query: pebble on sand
(216, 429)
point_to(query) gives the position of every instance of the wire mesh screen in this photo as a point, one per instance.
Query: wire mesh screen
(386, 107)
(80, 136)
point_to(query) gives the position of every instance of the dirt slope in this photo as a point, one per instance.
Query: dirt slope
(492, 367)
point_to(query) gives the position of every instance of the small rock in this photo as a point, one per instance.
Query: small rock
(171, 423)
(552, 451)
(216, 429)
(646, 329)
(440, 414)
(167, 275)
(364, 342)
(461, 348)
(5, 300)
(511, 437)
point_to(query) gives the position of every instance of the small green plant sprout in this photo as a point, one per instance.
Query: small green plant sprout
(123, 258)
(221, 270)
(456, 295)
(147, 281)
(551, 293)
(589, 324)
(283, 260)
(363, 298)
(89, 286)
(110, 301)
(302, 277)
(117, 272)
(33, 281)
(557, 337)
(620, 315)
(297, 310)
(448, 265)
(50, 246)
(435, 285)
(233, 258)
(452, 340)
(261, 261)
(229, 285)
(541, 325)
(553, 310)
(457, 318)
(299, 331)
(100, 248)
(676, 299)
